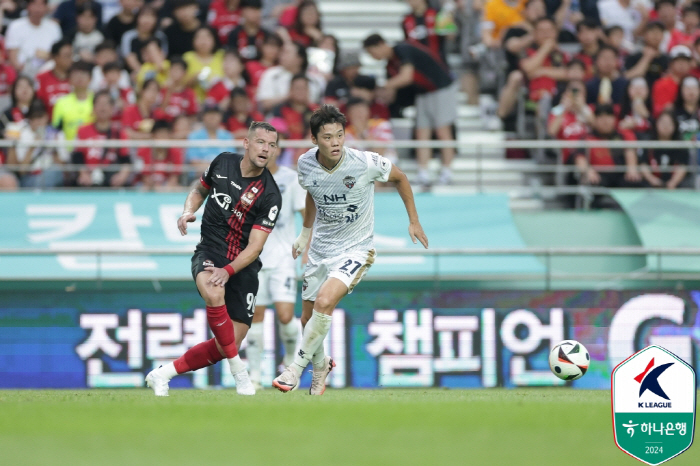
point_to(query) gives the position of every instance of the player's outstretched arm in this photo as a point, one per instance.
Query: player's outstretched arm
(400, 180)
(194, 201)
(256, 241)
(303, 239)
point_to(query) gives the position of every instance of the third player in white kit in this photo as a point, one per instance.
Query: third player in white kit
(340, 208)
(277, 278)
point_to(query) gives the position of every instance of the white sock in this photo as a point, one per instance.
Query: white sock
(254, 350)
(236, 364)
(319, 357)
(167, 370)
(314, 333)
(289, 334)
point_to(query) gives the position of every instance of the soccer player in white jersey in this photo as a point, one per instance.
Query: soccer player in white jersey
(277, 277)
(340, 208)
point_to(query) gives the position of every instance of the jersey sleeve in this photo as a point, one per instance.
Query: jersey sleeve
(206, 179)
(378, 167)
(268, 212)
(298, 197)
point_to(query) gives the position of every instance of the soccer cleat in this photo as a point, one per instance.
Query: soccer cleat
(287, 381)
(243, 384)
(318, 379)
(158, 383)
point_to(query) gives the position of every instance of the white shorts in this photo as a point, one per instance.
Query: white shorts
(349, 268)
(278, 285)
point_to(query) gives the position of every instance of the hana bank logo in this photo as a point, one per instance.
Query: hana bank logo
(649, 380)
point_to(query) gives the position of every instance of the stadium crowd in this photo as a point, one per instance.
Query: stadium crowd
(81, 70)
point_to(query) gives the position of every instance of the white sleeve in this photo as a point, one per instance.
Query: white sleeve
(12, 37)
(298, 197)
(265, 86)
(378, 167)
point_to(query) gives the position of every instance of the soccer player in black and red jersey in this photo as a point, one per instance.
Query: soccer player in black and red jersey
(244, 201)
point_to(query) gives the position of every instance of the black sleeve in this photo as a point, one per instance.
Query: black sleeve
(680, 157)
(206, 179)
(266, 217)
(632, 60)
(404, 53)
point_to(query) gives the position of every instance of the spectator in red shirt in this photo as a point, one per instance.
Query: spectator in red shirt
(8, 75)
(545, 63)
(53, 84)
(162, 165)
(306, 29)
(666, 167)
(665, 89)
(269, 57)
(691, 21)
(635, 114)
(96, 158)
(22, 94)
(138, 119)
(595, 168)
(241, 113)
(219, 94)
(572, 118)
(249, 36)
(224, 16)
(175, 97)
(608, 85)
(419, 25)
(123, 96)
(297, 110)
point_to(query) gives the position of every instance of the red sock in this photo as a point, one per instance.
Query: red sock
(202, 355)
(222, 327)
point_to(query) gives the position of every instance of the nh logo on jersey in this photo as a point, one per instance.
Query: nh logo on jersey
(223, 199)
(646, 425)
(334, 198)
(349, 181)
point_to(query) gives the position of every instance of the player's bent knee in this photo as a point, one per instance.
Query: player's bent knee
(324, 304)
(214, 295)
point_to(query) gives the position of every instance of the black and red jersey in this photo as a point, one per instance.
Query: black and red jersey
(429, 72)
(248, 46)
(422, 30)
(236, 205)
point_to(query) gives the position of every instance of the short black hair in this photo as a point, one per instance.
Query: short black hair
(87, 6)
(37, 109)
(372, 40)
(693, 8)
(106, 45)
(238, 92)
(273, 38)
(608, 48)
(182, 3)
(262, 125)
(576, 62)
(352, 101)
(160, 125)
(588, 23)
(80, 66)
(211, 108)
(103, 93)
(654, 25)
(299, 76)
(661, 2)
(57, 46)
(326, 114)
(111, 66)
(612, 29)
(178, 61)
(257, 4)
(604, 109)
(365, 82)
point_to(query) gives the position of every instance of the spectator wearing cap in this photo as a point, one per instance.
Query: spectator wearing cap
(307, 28)
(135, 40)
(628, 15)
(205, 62)
(211, 129)
(249, 36)
(589, 36)
(224, 16)
(608, 85)
(66, 14)
(101, 129)
(86, 37)
(690, 18)
(544, 64)
(269, 57)
(176, 98)
(38, 164)
(666, 167)
(220, 93)
(686, 108)
(419, 25)
(273, 87)
(650, 63)
(53, 84)
(594, 169)
(412, 65)
(162, 165)
(362, 127)
(181, 32)
(240, 113)
(338, 89)
(122, 21)
(28, 40)
(665, 89)
(365, 87)
(75, 109)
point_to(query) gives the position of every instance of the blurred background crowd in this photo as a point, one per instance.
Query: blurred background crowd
(571, 70)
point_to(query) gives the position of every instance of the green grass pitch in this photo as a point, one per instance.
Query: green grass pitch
(519, 427)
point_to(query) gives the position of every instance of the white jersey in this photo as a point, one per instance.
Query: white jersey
(344, 198)
(278, 247)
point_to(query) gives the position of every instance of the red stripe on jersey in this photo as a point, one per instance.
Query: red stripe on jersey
(262, 228)
(204, 183)
(236, 222)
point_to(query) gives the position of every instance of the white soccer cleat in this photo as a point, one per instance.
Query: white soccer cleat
(243, 384)
(287, 381)
(318, 379)
(158, 383)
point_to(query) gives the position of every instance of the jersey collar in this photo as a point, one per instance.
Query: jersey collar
(332, 170)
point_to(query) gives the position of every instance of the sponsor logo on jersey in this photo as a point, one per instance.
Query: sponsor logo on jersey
(268, 223)
(221, 177)
(208, 263)
(273, 212)
(315, 183)
(223, 199)
(233, 183)
(349, 181)
(248, 198)
(334, 198)
(304, 285)
(384, 164)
